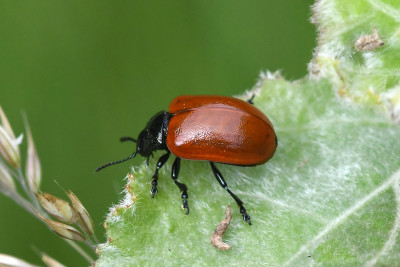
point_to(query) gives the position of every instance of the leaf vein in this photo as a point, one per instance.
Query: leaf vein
(318, 218)
(393, 232)
(387, 9)
(319, 238)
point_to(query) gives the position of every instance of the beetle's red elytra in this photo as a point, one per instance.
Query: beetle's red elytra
(211, 128)
(219, 129)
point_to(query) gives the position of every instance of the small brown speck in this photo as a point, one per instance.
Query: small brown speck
(368, 42)
(216, 237)
(119, 210)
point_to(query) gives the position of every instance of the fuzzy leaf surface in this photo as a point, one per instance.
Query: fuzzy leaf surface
(331, 193)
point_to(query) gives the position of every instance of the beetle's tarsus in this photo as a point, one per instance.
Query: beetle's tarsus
(153, 189)
(184, 195)
(176, 166)
(246, 217)
(185, 204)
(154, 184)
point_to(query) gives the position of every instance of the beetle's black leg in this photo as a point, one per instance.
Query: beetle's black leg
(174, 174)
(160, 163)
(250, 100)
(224, 185)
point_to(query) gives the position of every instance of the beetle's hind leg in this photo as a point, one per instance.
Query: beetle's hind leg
(250, 100)
(160, 163)
(224, 185)
(174, 175)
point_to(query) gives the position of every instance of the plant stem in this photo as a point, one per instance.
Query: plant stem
(20, 201)
(28, 192)
(80, 250)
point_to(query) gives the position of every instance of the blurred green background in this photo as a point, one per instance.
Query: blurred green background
(89, 72)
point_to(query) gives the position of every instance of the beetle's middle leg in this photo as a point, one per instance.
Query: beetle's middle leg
(160, 163)
(174, 175)
(224, 185)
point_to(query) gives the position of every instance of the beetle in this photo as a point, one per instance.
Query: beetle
(210, 128)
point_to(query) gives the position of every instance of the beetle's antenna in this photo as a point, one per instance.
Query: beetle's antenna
(127, 138)
(115, 162)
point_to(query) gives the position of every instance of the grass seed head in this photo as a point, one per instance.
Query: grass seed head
(84, 221)
(9, 144)
(6, 182)
(58, 208)
(10, 261)
(63, 230)
(33, 168)
(50, 262)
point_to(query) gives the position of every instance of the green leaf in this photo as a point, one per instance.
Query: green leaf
(331, 193)
(364, 76)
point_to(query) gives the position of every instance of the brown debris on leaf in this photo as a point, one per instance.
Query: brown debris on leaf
(216, 237)
(368, 42)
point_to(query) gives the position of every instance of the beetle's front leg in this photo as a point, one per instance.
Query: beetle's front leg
(160, 163)
(174, 174)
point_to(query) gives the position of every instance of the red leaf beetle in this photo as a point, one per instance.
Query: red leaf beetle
(212, 128)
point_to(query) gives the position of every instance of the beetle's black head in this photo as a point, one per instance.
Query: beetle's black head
(153, 137)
